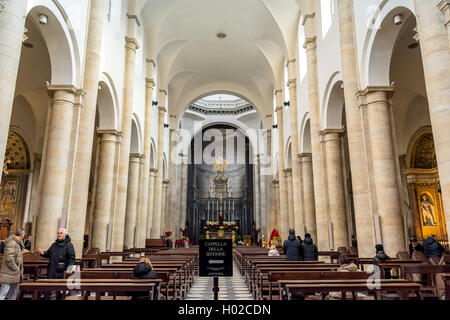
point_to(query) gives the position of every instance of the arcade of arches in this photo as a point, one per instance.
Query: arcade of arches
(125, 120)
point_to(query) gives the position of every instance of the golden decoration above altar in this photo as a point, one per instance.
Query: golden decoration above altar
(220, 165)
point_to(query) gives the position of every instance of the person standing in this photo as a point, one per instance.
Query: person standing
(27, 243)
(61, 255)
(292, 247)
(11, 273)
(310, 251)
(432, 248)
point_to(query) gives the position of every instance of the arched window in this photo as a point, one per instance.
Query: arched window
(327, 13)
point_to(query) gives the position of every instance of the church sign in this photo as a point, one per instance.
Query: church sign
(216, 258)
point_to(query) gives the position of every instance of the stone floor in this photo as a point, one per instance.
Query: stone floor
(233, 288)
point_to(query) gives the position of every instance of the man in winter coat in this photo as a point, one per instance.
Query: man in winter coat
(292, 248)
(11, 273)
(432, 248)
(61, 255)
(310, 251)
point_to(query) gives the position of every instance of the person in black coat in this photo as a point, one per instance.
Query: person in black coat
(61, 255)
(310, 251)
(143, 270)
(382, 256)
(432, 248)
(292, 247)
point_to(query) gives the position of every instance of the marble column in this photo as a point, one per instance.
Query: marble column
(172, 191)
(384, 168)
(104, 193)
(164, 207)
(275, 215)
(177, 202)
(413, 203)
(308, 194)
(86, 127)
(55, 177)
(444, 6)
(157, 213)
(314, 105)
(436, 57)
(257, 188)
(124, 158)
(184, 185)
(290, 198)
(151, 201)
(141, 227)
(364, 211)
(132, 200)
(282, 223)
(335, 184)
(296, 175)
(12, 23)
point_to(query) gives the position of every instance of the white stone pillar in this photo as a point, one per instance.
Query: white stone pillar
(308, 194)
(86, 129)
(55, 176)
(257, 196)
(156, 225)
(384, 168)
(296, 175)
(132, 200)
(151, 201)
(124, 158)
(141, 227)
(444, 6)
(364, 211)
(183, 188)
(103, 201)
(314, 105)
(436, 63)
(12, 23)
(335, 182)
(290, 199)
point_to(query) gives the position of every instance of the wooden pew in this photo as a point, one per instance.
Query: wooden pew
(402, 288)
(430, 272)
(99, 288)
(446, 278)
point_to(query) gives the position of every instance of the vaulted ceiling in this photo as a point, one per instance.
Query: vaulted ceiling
(192, 62)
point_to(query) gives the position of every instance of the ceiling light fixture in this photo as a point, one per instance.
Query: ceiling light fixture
(43, 19)
(398, 20)
(221, 35)
(28, 45)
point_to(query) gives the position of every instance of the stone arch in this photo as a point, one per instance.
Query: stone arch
(136, 138)
(333, 103)
(421, 141)
(288, 154)
(306, 135)
(17, 156)
(107, 103)
(60, 41)
(380, 41)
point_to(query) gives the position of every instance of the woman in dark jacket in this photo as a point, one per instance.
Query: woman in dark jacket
(432, 248)
(310, 251)
(143, 270)
(292, 248)
(382, 256)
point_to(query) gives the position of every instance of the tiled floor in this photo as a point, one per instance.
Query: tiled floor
(230, 288)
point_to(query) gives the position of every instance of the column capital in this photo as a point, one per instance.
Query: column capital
(52, 88)
(308, 16)
(310, 43)
(275, 181)
(277, 91)
(154, 170)
(279, 109)
(131, 43)
(375, 95)
(151, 61)
(444, 5)
(106, 131)
(306, 157)
(162, 110)
(136, 155)
(331, 131)
(149, 83)
(288, 172)
(292, 83)
(166, 182)
(290, 61)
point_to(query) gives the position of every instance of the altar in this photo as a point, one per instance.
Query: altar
(219, 235)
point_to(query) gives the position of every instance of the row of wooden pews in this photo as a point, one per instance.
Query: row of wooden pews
(102, 279)
(272, 278)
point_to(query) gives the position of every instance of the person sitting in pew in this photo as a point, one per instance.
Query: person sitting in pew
(273, 252)
(347, 265)
(432, 248)
(292, 248)
(143, 270)
(382, 256)
(310, 251)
